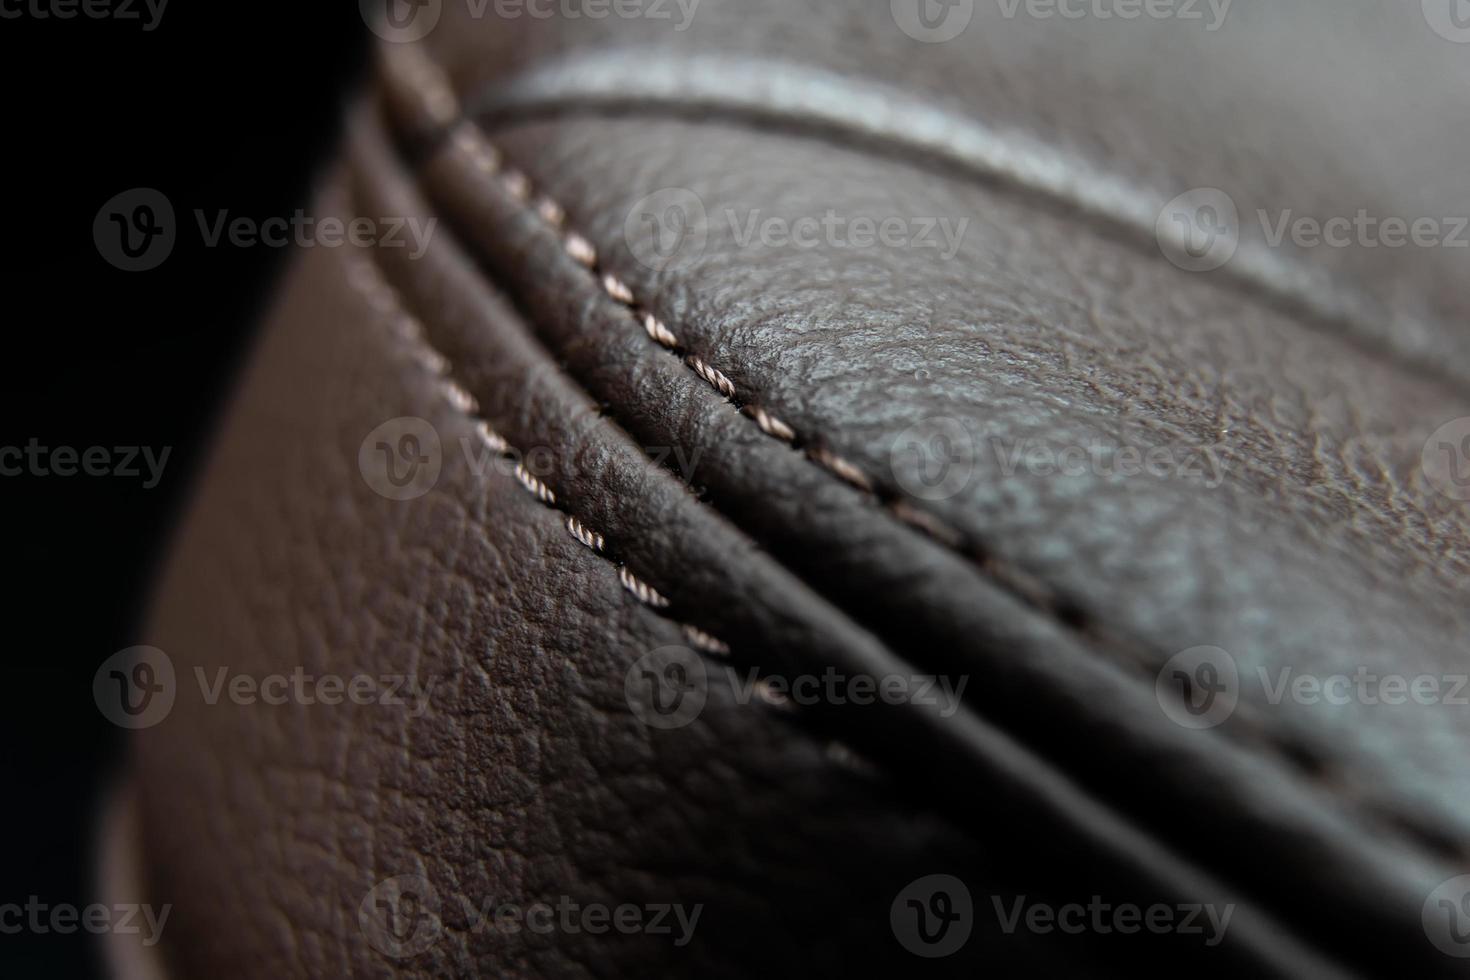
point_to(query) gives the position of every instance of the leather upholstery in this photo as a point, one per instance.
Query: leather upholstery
(743, 423)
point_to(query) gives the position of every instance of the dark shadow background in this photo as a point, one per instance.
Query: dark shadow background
(219, 107)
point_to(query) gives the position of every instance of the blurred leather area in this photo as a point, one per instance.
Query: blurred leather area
(723, 448)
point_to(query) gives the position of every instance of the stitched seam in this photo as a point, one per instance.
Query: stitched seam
(442, 104)
(368, 280)
(1324, 316)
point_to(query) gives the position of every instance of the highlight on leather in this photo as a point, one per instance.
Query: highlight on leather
(939, 487)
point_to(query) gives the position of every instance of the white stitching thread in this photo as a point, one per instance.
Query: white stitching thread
(659, 332)
(581, 249)
(428, 80)
(836, 464)
(483, 155)
(517, 184)
(699, 638)
(490, 437)
(645, 592)
(538, 489)
(588, 537)
(617, 289)
(441, 103)
(927, 523)
(433, 361)
(364, 276)
(550, 212)
(769, 424)
(716, 379)
(457, 395)
(470, 141)
(467, 140)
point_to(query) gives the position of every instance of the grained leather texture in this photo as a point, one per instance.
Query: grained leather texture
(801, 456)
(527, 778)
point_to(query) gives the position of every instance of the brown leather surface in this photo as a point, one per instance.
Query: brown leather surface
(746, 456)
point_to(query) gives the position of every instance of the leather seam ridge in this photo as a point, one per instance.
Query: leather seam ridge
(368, 280)
(837, 751)
(440, 103)
(1323, 313)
